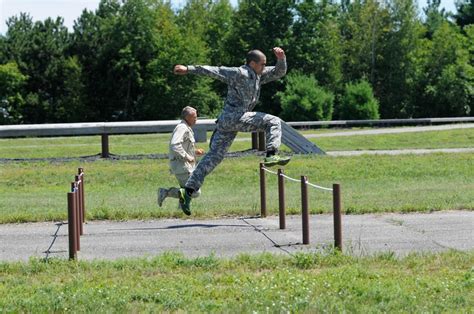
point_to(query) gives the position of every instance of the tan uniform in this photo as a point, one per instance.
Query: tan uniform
(181, 149)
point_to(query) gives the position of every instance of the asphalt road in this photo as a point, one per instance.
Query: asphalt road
(362, 235)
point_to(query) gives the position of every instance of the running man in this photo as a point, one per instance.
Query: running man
(243, 91)
(182, 155)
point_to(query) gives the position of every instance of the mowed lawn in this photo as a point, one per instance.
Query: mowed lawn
(58, 147)
(303, 283)
(126, 189)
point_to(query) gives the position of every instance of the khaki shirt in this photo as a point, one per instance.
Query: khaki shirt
(182, 147)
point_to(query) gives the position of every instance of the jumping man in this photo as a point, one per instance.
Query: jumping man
(243, 91)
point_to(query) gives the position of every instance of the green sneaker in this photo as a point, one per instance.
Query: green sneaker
(276, 160)
(184, 201)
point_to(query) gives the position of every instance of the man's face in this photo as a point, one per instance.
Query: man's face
(258, 67)
(191, 118)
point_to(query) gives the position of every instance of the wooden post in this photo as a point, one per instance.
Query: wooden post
(105, 146)
(281, 199)
(261, 141)
(79, 203)
(336, 192)
(83, 209)
(254, 140)
(76, 215)
(304, 209)
(71, 225)
(263, 193)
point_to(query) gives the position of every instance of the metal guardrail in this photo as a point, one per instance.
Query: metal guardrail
(200, 129)
(164, 126)
(382, 122)
(98, 128)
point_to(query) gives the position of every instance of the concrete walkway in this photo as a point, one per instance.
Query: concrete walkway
(362, 235)
(395, 130)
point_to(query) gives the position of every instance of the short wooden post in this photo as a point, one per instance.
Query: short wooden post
(261, 141)
(304, 209)
(105, 146)
(281, 199)
(254, 140)
(76, 215)
(79, 202)
(336, 192)
(83, 209)
(71, 225)
(263, 192)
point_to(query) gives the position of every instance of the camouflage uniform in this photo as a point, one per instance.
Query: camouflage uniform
(182, 146)
(242, 96)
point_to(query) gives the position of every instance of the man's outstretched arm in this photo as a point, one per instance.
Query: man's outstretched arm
(277, 71)
(224, 74)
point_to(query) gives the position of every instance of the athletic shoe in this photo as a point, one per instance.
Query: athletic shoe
(276, 160)
(184, 201)
(162, 194)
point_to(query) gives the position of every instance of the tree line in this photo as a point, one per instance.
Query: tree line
(360, 59)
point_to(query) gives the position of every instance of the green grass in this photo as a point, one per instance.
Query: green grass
(123, 190)
(323, 282)
(158, 143)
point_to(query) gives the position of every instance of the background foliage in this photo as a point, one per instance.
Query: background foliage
(116, 63)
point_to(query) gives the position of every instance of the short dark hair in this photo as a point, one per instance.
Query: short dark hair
(255, 56)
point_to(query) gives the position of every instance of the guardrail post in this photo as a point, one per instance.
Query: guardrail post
(261, 141)
(336, 191)
(304, 209)
(254, 140)
(105, 146)
(71, 220)
(281, 199)
(263, 193)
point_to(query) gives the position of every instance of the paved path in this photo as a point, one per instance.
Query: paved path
(395, 130)
(418, 151)
(392, 130)
(362, 235)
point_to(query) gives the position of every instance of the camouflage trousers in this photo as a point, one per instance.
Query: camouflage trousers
(227, 128)
(182, 179)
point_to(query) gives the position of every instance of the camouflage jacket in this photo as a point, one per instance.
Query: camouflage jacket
(243, 83)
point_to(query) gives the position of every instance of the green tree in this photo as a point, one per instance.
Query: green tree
(446, 78)
(261, 24)
(359, 103)
(435, 16)
(304, 100)
(11, 99)
(316, 47)
(39, 49)
(396, 68)
(364, 25)
(165, 93)
(465, 12)
(115, 45)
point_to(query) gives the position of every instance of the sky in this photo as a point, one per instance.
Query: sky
(70, 10)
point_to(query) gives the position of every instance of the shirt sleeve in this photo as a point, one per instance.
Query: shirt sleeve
(274, 73)
(176, 143)
(224, 74)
